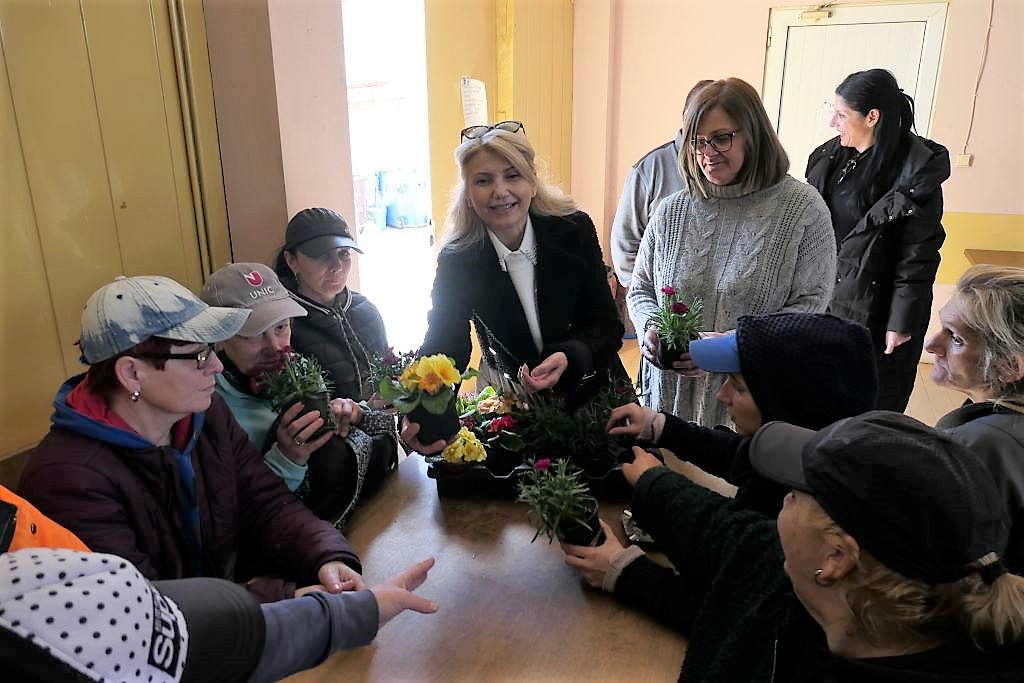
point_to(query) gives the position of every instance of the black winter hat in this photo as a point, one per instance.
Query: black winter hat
(809, 369)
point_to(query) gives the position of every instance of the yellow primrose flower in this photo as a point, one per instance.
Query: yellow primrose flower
(408, 378)
(436, 372)
(465, 448)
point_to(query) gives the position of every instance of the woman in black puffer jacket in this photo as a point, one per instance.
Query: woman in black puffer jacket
(882, 185)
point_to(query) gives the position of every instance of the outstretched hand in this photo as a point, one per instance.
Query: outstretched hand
(642, 461)
(395, 595)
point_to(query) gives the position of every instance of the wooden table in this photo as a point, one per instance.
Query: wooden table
(509, 610)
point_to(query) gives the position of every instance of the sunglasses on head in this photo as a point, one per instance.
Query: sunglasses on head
(474, 132)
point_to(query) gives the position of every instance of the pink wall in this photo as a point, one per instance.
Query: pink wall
(637, 59)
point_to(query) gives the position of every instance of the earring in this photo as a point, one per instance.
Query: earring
(135, 395)
(824, 583)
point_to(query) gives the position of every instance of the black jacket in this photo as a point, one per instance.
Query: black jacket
(574, 304)
(996, 435)
(343, 337)
(749, 625)
(887, 262)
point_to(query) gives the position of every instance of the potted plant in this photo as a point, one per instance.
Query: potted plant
(677, 324)
(465, 448)
(425, 392)
(560, 504)
(295, 378)
(579, 435)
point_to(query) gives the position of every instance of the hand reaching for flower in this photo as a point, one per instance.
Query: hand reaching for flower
(546, 374)
(293, 432)
(632, 420)
(642, 461)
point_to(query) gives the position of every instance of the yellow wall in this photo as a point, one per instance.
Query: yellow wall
(1003, 232)
(522, 51)
(98, 179)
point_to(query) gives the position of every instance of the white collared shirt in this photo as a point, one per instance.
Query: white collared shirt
(521, 266)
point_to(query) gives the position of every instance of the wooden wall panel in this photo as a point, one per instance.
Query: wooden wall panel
(31, 366)
(52, 91)
(143, 146)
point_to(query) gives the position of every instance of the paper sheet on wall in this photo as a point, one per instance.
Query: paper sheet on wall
(474, 102)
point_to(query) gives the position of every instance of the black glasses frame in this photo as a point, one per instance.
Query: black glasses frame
(201, 357)
(474, 132)
(701, 144)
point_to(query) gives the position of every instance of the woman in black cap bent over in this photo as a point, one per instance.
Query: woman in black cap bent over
(342, 328)
(836, 379)
(885, 563)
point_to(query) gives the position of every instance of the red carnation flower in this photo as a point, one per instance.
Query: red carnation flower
(680, 308)
(542, 465)
(668, 289)
(503, 422)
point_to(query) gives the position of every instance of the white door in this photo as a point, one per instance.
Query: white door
(809, 54)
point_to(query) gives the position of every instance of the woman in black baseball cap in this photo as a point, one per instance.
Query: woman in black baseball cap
(342, 328)
(884, 565)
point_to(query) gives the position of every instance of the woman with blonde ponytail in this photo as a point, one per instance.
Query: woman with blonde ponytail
(885, 564)
(979, 350)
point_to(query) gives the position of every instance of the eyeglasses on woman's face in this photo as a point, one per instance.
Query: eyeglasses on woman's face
(474, 132)
(201, 357)
(720, 142)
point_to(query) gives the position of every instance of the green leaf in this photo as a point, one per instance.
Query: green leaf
(390, 390)
(437, 403)
(469, 374)
(406, 404)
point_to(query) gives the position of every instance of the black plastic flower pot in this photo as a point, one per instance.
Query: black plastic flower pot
(434, 427)
(322, 403)
(667, 357)
(575, 533)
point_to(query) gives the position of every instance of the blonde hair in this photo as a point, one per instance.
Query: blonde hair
(888, 608)
(464, 226)
(991, 304)
(765, 162)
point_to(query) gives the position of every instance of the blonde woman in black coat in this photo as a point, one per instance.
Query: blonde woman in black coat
(882, 185)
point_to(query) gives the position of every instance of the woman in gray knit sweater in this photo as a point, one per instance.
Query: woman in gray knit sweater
(742, 235)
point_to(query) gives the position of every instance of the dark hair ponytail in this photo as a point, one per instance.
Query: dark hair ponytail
(877, 89)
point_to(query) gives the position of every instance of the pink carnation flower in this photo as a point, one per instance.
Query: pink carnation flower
(542, 465)
(668, 289)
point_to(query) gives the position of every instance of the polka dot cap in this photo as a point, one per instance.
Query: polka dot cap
(94, 612)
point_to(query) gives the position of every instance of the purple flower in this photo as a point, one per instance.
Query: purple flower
(668, 289)
(680, 308)
(542, 465)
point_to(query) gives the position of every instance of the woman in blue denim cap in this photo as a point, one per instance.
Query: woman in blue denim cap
(809, 369)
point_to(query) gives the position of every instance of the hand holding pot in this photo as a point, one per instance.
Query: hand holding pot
(408, 435)
(294, 432)
(593, 562)
(347, 413)
(642, 461)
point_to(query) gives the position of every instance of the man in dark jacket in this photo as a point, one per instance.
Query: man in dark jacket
(195, 501)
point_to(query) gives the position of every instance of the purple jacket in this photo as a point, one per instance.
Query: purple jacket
(213, 509)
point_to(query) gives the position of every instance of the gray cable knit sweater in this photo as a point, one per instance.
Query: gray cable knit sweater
(770, 250)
